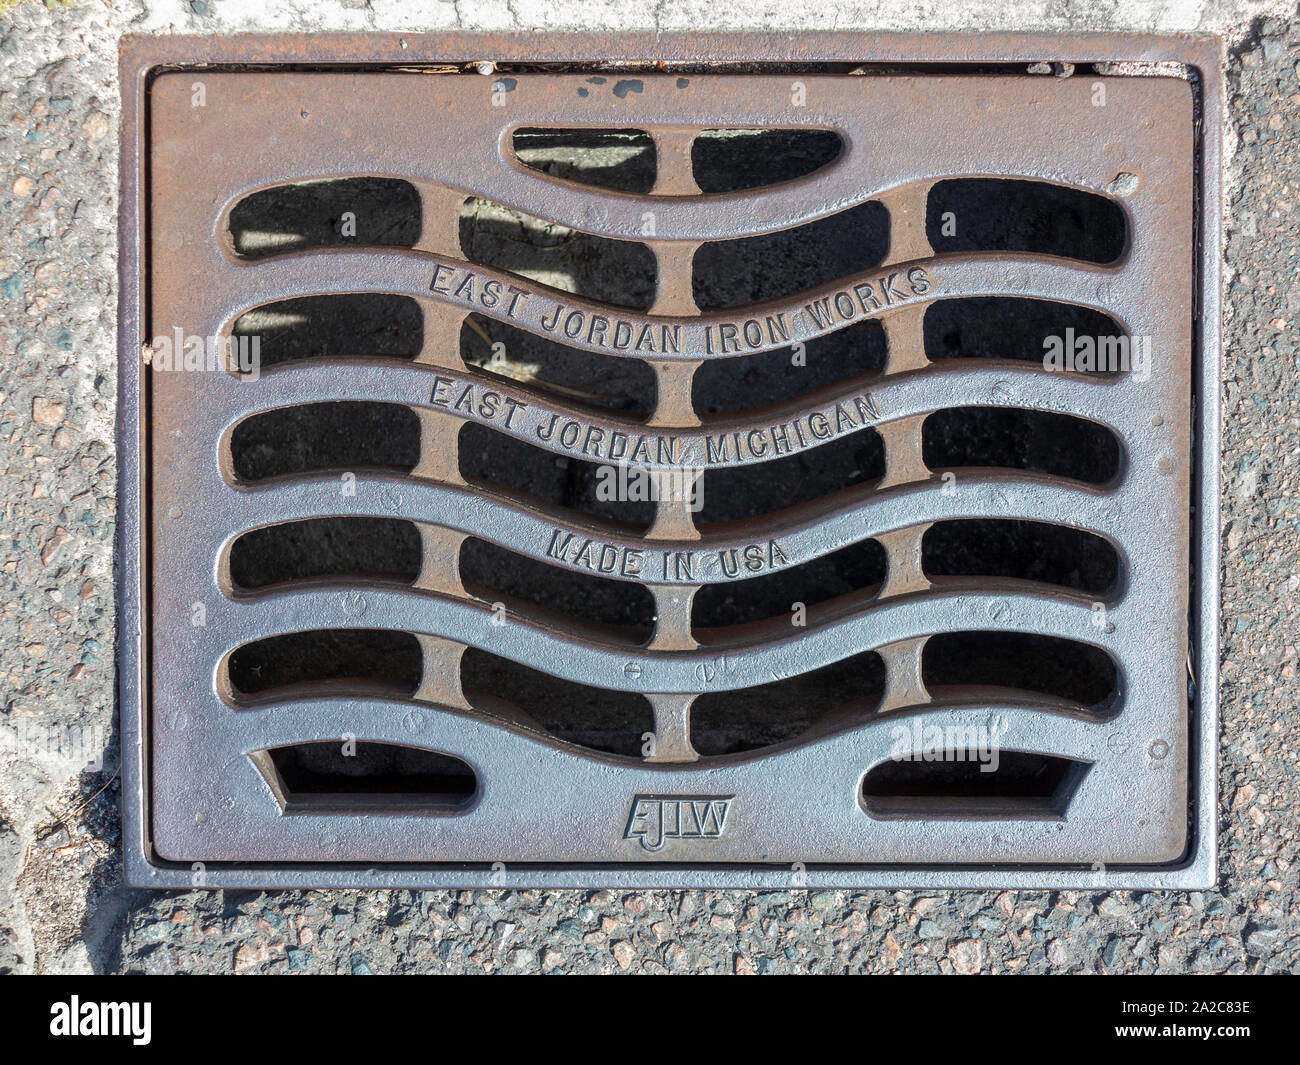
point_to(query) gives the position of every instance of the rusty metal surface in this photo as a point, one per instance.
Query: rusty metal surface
(544, 801)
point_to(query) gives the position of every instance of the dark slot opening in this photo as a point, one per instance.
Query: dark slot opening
(856, 568)
(353, 323)
(496, 459)
(600, 720)
(620, 273)
(1030, 550)
(837, 696)
(323, 436)
(490, 571)
(734, 273)
(389, 662)
(1023, 786)
(1008, 327)
(326, 547)
(1040, 441)
(728, 160)
(315, 214)
(999, 214)
(1076, 672)
(365, 777)
(619, 159)
(747, 382)
(732, 493)
(569, 375)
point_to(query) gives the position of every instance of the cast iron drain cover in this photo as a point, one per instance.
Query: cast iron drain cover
(511, 494)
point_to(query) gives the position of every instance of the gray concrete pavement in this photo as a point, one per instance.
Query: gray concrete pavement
(62, 904)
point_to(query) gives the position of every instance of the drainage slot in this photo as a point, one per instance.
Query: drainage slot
(748, 382)
(1010, 327)
(1050, 665)
(859, 568)
(381, 661)
(1029, 550)
(618, 272)
(986, 785)
(568, 375)
(832, 698)
(1000, 214)
(734, 273)
(500, 461)
(736, 492)
(364, 777)
(1056, 444)
(490, 572)
(729, 160)
(619, 159)
(343, 436)
(321, 214)
(383, 548)
(334, 326)
(601, 720)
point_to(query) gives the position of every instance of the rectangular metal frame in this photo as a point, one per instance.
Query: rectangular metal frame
(143, 57)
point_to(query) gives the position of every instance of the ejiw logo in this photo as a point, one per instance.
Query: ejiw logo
(134, 1019)
(657, 818)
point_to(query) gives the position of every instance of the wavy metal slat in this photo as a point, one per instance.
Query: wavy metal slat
(761, 436)
(551, 536)
(232, 289)
(619, 668)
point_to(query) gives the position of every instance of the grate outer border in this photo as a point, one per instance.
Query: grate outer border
(141, 58)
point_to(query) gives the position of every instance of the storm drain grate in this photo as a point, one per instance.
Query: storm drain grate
(667, 477)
